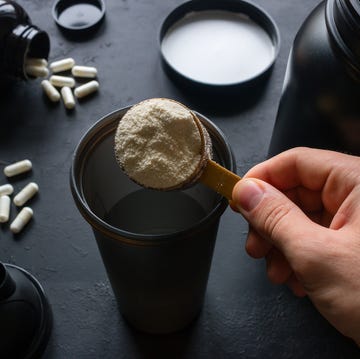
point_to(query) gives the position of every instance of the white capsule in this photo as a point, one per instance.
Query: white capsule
(21, 220)
(61, 81)
(84, 71)
(4, 208)
(62, 65)
(51, 92)
(68, 98)
(6, 189)
(26, 193)
(36, 71)
(86, 89)
(17, 168)
(34, 61)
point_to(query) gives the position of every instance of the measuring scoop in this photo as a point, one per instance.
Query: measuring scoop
(143, 139)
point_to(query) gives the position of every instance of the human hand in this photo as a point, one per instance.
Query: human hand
(303, 207)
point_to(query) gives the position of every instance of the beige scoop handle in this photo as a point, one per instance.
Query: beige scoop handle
(219, 179)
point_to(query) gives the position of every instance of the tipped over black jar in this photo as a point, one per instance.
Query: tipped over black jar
(320, 103)
(19, 40)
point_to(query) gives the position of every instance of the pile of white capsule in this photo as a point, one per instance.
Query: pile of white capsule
(59, 86)
(20, 199)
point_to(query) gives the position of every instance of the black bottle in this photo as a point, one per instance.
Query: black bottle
(19, 40)
(320, 103)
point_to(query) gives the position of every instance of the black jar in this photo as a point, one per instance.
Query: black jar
(320, 103)
(19, 40)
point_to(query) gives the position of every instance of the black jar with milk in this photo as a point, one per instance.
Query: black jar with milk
(320, 102)
(19, 40)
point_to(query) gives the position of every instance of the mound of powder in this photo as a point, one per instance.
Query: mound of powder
(158, 143)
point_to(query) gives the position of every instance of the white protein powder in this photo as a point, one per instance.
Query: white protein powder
(158, 143)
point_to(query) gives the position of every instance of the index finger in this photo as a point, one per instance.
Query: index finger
(332, 174)
(299, 166)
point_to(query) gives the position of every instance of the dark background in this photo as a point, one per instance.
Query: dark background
(244, 316)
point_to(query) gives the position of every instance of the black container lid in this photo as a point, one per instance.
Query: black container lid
(78, 17)
(218, 43)
(26, 317)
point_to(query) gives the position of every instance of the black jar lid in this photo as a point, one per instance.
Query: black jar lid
(78, 17)
(26, 317)
(218, 43)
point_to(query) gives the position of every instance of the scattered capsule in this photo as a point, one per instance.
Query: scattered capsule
(34, 61)
(17, 168)
(86, 89)
(62, 65)
(51, 92)
(25, 194)
(68, 98)
(6, 189)
(84, 71)
(61, 81)
(4, 208)
(21, 220)
(36, 71)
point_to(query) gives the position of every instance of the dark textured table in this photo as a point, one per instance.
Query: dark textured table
(244, 316)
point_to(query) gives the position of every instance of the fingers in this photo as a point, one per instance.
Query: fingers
(272, 215)
(297, 167)
(277, 267)
(331, 174)
(256, 246)
(349, 212)
(296, 287)
(308, 200)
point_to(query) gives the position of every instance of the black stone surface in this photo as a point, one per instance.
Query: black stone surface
(244, 316)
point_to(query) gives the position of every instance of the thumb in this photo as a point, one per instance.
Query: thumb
(272, 214)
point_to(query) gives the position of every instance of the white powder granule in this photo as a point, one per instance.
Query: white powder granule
(158, 144)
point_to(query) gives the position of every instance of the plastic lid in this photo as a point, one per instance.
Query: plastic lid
(25, 313)
(219, 43)
(78, 16)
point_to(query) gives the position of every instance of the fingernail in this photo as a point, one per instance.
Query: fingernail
(248, 194)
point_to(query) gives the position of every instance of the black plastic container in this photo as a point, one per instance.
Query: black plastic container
(320, 104)
(158, 269)
(19, 40)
